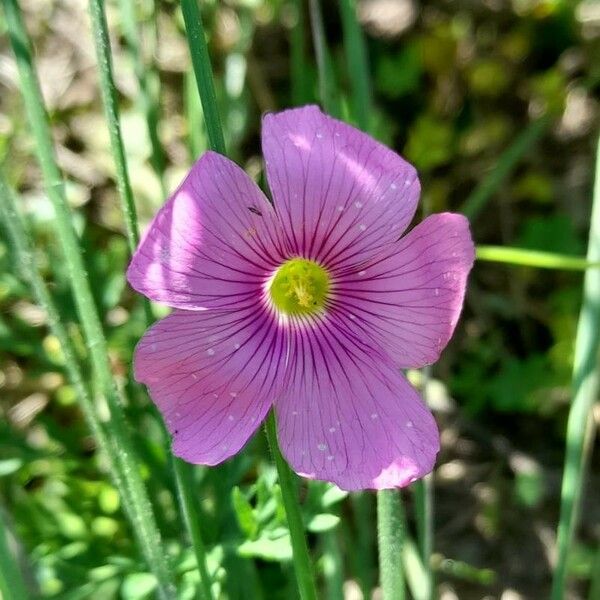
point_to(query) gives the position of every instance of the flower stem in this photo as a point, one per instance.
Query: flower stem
(585, 384)
(188, 501)
(390, 531)
(302, 564)
(204, 75)
(144, 522)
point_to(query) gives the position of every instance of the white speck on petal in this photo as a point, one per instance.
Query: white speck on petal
(153, 347)
(332, 430)
(295, 413)
(319, 135)
(194, 376)
(330, 457)
(361, 273)
(231, 418)
(393, 186)
(353, 317)
(340, 208)
(374, 416)
(236, 346)
(224, 446)
(409, 423)
(362, 226)
(210, 352)
(233, 394)
(358, 204)
(322, 447)
(407, 182)
(436, 292)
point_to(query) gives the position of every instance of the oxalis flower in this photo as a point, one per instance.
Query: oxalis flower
(311, 305)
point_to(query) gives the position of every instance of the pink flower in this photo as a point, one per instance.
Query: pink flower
(312, 305)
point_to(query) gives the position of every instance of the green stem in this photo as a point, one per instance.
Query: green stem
(189, 504)
(534, 258)
(182, 473)
(300, 94)
(148, 86)
(357, 64)
(12, 584)
(585, 384)
(144, 520)
(333, 566)
(204, 75)
(424, 517)
(302, 564)
(391, 532)
(327, 83)
(111, 112)
(505, 165)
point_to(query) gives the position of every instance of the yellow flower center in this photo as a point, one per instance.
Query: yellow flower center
(300, 287)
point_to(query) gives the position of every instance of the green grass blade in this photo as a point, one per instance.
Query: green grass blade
(505, 165)
(181, 470)
(418, 578)
(327, 83)
(29, 271)
(111, 112)
(298, 66)
(144, 520)
(12, 584)
(391, 531)
(534, 258)
(356, 64)
(289, 493)
(149, 85)
(333, 566)
(585, 385)
(189, 504)
(424, 518)
(204, 75)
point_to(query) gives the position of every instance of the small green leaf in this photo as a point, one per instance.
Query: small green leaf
(323, 522)
(138, 586)
(278, 550)
(244, 513)
(332, 496)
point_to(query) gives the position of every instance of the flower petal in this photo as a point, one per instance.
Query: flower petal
(211, 245)
(346, 414)
(340, 195)
(213, 375)
(410, 298)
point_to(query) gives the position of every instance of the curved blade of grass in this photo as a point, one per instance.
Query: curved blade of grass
(357, 65)
(107, 86)
(148, 87)
(204, 75)
(505, 165)
(12, 584)
(328, 89)
(141, 509)
(534, 258)
(391, 533)
(289, 493)
(585, 385)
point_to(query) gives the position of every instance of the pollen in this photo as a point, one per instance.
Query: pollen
(300, 287)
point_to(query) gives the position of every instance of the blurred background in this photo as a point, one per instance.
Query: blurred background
(462, 89)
